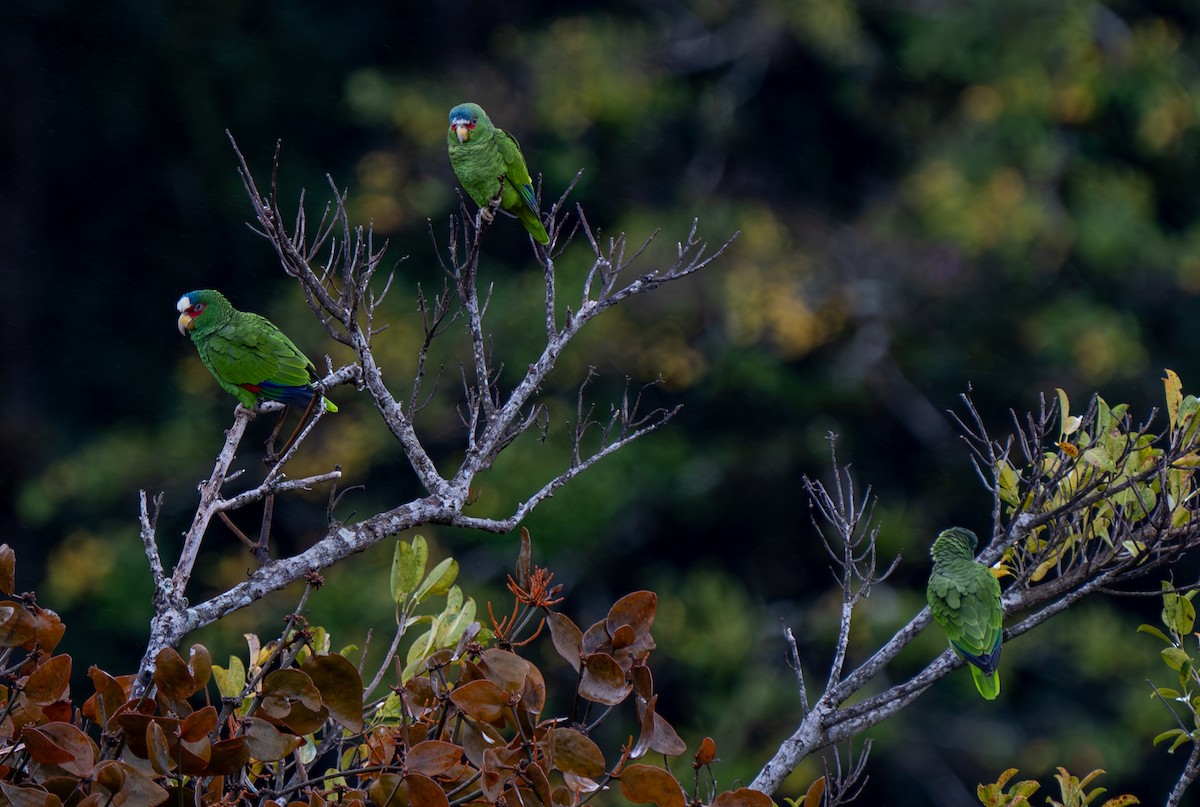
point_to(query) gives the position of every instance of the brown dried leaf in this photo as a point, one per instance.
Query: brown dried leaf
(480, 699)
(159, 749)
(635, 610)
(200, 665)
(574, 752)
(50, 682)
(290, 697)
(432, 757)
(381, 745)
(385, 791)
(533, 694)
(198, 724)
(505, 669)
(48, 629)
(109, 697)
(424, 792)
(536, 778)
(596, 639)
(266, 743)
(742, 797)
(228, 757)
(643, 683)
(71, 739)
(135, 725)
(340, 686)
(707, 752)
(17, 625)
(44, 749)
(646, 736)
(622, 637)
(816, 793)
(28, 796)
(281, 688)
(128, 784)
(477, 737)
(603, 680)
(566, 636)
(194, 756)
(646, 784)
(523, 560)
(420, 692)
(172, 675)
(666, 740)
(496, 774)
(8, 569)
(59, 711)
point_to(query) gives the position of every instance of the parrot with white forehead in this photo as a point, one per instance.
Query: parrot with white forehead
(488, 162)
(246, 353)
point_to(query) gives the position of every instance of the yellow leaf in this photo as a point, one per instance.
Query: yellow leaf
(1174, 391)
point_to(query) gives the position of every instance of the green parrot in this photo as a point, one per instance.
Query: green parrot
(488, 161)
(246, 353)
(964, 597)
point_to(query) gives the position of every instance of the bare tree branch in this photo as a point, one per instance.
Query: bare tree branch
(335, 264)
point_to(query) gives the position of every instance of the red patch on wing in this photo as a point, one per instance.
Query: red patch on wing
(255, 388)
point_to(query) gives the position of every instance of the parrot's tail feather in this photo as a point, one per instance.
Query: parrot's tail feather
(988, 685)
(298, 397)
(534, 225)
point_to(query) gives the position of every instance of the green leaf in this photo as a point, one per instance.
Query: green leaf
(1099, 457)
(438, 581)
(1175, 658)
(408, 566)
(1169, 734)
(1180, 740)
(1066, 426)
(1187, 417)
(232, 680)
(1178, 614)
(1010, 491)
(450, 630)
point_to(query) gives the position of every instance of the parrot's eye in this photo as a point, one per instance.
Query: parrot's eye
(198, 308)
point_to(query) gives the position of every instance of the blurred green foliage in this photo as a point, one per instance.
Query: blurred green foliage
(930, 195)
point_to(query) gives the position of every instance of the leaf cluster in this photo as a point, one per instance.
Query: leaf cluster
(1071, 790)
(463, 721)
(1179, 619)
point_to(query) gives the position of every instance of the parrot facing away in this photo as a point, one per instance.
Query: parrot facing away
(964, 597)
(488, 161)
(246, 353)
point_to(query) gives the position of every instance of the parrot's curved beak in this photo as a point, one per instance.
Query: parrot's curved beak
(462, 129)
(185, 323)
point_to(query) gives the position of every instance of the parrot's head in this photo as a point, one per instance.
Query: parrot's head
(464, 118)
(199, 308)
(954, 542)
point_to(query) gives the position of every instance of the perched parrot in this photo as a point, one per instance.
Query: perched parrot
(246, 353)
(964, 597)
(488, 162)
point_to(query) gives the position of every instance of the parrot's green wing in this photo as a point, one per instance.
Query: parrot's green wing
(515, 169)
(517, 196)
(250, 350)
(253, 357)
(964, 598)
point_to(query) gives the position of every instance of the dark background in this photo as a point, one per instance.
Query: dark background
(930, 197)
